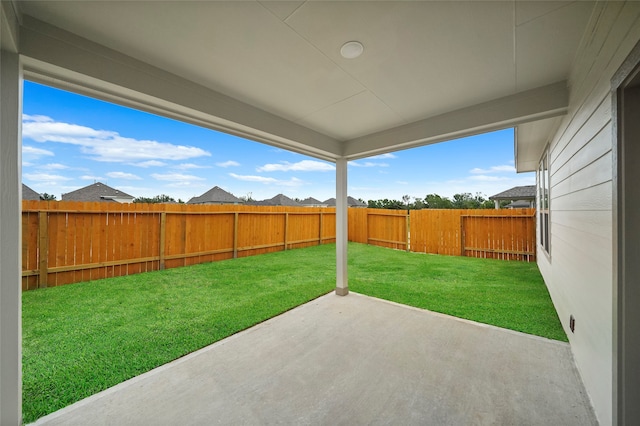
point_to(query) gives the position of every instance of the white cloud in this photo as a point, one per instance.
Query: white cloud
(150, 163)
(367, 164)
(53, 166)
(123, 175)
(382, 156)
(485, 178)
(268, 180)
(229, 163)
(494, 169)
(45, 177)
(89, 177)
(187, 166)
(33, 152)
(247, 178)
(300, 166)
(175, 177)
(186, 184)
(36, 118)
(104, 145)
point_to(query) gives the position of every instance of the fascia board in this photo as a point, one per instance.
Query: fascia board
(509, 111)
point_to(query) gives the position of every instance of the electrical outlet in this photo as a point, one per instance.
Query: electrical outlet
(572, 323)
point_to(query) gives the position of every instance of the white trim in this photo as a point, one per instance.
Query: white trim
(531, 105)
(10, 239)
(626, 229)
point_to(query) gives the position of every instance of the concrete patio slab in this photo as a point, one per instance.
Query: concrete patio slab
(353, 360)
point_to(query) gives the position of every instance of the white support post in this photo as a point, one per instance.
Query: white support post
(10, 239)
(342, 229)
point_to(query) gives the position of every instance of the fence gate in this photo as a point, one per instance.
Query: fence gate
(498, 237)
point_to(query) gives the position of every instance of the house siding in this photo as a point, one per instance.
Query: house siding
(579, 270)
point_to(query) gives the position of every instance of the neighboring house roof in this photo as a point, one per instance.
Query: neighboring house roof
(278, 200)
(520, 204)
(216, 195)
(351, 202)
(98, 192)
(29, 194)
(312, 202)
(527, 192)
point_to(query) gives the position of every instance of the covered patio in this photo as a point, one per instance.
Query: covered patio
(287, 73)
(353, 360)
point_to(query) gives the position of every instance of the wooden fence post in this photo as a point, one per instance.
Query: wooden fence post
(286, 228)
(43, 246)
(163, 234)
(235, 235)
(320, 236)
(462, 252)
(408, 231)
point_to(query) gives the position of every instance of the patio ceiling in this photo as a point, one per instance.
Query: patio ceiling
(272, 71)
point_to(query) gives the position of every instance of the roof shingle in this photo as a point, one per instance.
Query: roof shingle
(96, 192)
(29, 194)
(527, 192)
(216, 195)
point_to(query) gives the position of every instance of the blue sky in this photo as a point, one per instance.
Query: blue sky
(70, 141)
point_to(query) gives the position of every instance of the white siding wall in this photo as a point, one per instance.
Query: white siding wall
(579, 272)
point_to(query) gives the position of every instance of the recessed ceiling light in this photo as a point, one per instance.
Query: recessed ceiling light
(351, 49)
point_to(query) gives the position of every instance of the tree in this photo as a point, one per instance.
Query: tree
(386, 204)
(434, 201)
(247, 198)
(162, 198)
(418, 204)
(48, 197)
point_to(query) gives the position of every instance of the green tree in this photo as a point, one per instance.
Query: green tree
(418, 204)
(434, 201)
(48, 197)
(162, 198)
(247, 198)
(386, 204)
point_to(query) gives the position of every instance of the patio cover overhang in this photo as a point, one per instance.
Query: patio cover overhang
(272, 72)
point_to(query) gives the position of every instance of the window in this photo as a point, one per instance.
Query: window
(543, 201)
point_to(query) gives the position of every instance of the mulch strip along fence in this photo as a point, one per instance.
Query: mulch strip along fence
(67, 242)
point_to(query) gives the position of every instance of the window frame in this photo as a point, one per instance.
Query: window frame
(544, 201)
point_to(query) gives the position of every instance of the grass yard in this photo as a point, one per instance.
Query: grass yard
(506, 294)
(82, 338)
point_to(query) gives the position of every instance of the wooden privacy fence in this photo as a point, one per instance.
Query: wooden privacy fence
(68, 242)
(495, 234)
(384, 228)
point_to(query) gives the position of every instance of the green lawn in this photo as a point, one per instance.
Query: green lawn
(506, 294)
(80, 339)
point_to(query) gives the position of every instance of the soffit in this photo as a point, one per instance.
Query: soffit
(421, 59)
(531, 140)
